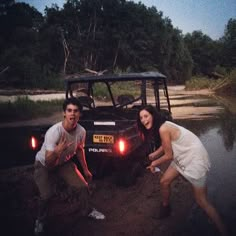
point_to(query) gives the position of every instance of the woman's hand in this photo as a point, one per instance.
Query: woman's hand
(152, 156)
(154, 169)
(156, 154)
(151, 168)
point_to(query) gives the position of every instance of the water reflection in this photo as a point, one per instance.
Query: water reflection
(225, 123)
(218, 136)
(228, 129)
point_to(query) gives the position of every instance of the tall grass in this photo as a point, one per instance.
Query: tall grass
(118, 88)
(226, 85)
(25, 109)
(196, 83)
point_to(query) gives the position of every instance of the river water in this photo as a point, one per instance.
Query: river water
(218, 135)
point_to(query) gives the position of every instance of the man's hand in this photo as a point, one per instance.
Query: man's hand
(62, 145)
(52, 157)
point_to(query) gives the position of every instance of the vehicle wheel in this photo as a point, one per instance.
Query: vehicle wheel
(128, 175)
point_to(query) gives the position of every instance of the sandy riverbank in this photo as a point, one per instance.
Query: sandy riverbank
(183, 105)
(128, 211)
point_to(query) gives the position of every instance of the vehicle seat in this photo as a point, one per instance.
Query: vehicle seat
(125, 99)
(86, 101)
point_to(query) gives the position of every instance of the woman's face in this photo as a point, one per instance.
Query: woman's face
(146, 119)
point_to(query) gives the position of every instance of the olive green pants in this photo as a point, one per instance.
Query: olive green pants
(70, 174)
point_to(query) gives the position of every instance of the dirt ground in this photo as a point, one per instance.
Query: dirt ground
(128, 210)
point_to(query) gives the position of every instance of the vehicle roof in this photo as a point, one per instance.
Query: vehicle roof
(116, 77)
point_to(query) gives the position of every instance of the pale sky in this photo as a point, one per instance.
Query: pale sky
(209, 16)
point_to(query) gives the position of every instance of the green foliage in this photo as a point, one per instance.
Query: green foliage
(232, 75)
(108, 34)
(100, 92)
(199, 83)
(221, 70)
(128, 87)
(225, 85)
(229, 45)
(98, 35)
(228, 86)
(53, 81)
(25, 109)
(204, 52)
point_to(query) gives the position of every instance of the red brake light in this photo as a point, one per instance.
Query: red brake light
(122, 146)
(33, 143)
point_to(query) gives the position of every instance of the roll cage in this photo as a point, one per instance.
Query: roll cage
(143, 81)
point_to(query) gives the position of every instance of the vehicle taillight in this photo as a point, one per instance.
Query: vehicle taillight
(122, 146)
(33, 143)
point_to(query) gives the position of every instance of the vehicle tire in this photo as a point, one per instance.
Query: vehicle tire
(128, 174)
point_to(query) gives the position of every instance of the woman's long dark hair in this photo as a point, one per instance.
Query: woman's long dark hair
(158, 119)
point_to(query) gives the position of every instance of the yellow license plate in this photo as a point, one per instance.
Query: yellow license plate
(103, 138)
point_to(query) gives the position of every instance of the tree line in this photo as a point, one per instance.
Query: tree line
(39, 50)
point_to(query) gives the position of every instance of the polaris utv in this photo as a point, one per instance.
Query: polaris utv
(110, 108)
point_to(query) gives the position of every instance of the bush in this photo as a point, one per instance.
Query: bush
(199, 83)
(221, 70)
(100, 92)
(25, 109)
(226, 85)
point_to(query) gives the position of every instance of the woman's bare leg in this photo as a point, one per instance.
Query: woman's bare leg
(170, 174)
(200, 194)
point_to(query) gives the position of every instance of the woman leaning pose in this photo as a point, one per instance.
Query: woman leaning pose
(188, 157)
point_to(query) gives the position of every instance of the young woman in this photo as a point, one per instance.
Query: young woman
(187, 155)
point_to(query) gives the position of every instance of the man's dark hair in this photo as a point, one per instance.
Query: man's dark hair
(73, 101)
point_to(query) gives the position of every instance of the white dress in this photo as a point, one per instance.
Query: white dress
(190, 156)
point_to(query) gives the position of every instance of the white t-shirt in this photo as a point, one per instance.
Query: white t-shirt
(190, 156)
(52, 137)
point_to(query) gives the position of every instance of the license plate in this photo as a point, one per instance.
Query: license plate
(103, 138)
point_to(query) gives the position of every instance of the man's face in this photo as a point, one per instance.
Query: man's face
(71, 115)
(146, 119)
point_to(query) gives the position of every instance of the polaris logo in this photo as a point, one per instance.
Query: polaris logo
(104, 123)
(100, 150)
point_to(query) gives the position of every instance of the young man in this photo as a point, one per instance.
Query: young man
(62, 141)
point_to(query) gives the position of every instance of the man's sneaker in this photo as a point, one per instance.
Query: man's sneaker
(96, 215)
(39, 227)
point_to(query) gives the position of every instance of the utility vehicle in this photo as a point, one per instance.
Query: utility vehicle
(111, 104)
(110, 108)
